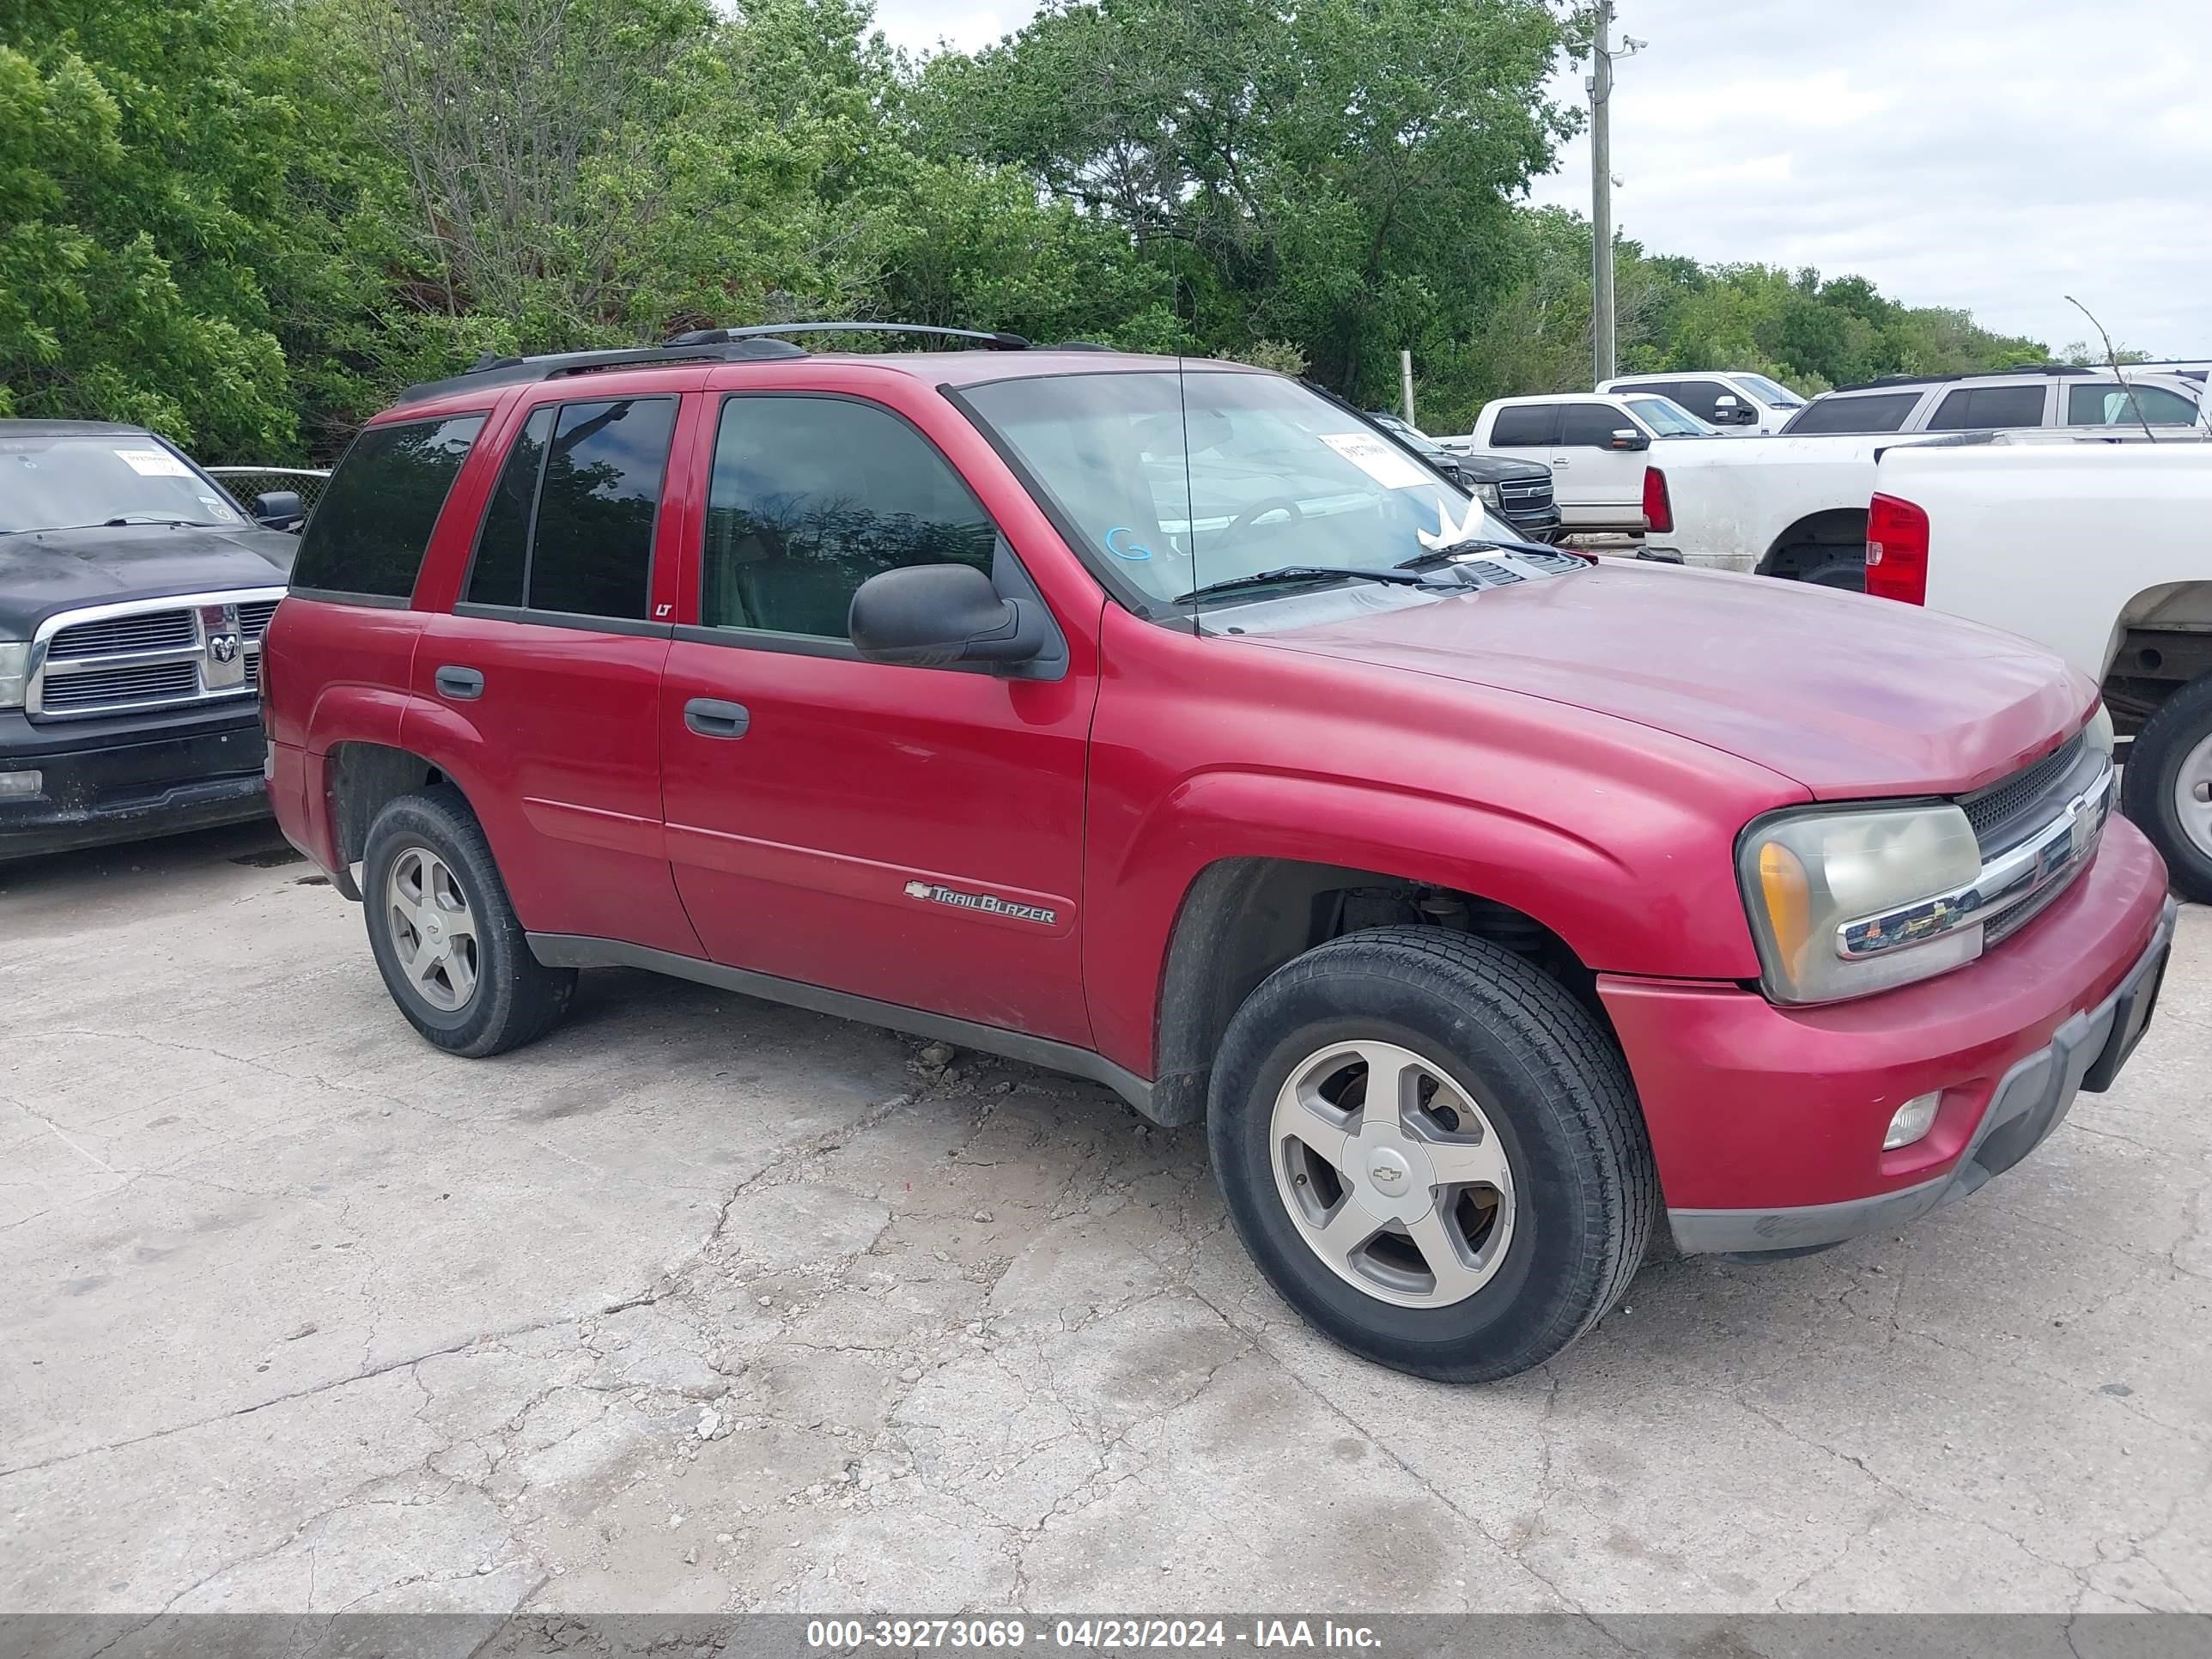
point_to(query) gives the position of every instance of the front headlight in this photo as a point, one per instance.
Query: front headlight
(1806, 876)
(1486, 493)
(2098, 734)
(14, 671)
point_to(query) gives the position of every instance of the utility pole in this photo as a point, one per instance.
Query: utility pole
(1405, 384)
(1600, 82)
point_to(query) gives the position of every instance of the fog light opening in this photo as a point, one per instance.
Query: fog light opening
(20, 786)
(1911, 1120)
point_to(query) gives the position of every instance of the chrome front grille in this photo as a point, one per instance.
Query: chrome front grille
(2027, 800)
(105, 688)
(144, 655)
(1526, 494)
(151, 630)
(2042, 853)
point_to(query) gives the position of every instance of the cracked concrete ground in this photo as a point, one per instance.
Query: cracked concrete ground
(706, 1306)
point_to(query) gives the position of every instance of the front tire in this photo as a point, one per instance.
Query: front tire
(444, 935)
(1493, 1201)
(2167, 786)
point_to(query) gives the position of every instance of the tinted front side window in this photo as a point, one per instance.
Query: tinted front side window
(1591, 426)
(1702, 398)
(2103, 404)
(1523, 426)
(593, 551)
(1987, 408)
(1883, 411)
(373, 526)
(813, 495)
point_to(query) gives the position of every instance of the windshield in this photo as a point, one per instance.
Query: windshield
(1773, 393)
(1666, 418)
(1277, 477)
(1412, 436)
(65, 481)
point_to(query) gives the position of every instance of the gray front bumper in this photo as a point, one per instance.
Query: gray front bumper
(2030, 1100)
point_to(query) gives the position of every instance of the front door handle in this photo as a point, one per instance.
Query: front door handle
(461, 684)
(712, 718)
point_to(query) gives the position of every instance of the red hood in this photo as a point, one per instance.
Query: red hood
(1850, 696)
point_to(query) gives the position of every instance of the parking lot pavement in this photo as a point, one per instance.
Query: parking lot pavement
(703, 1304)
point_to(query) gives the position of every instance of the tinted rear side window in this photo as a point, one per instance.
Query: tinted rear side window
(372, 528)
(1883, 411)
(592, 554)
(504, 546)
(1524, 425)
(569, 527)
(1988, 408)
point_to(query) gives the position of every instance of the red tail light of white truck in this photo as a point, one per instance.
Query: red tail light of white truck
(1897, 551)
(1658, 509)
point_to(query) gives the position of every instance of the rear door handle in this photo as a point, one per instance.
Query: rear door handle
(461, 684)
(711, 718)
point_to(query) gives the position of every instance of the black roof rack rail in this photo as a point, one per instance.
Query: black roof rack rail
(492, 371)
(698, 345)
(1972, 374)
(697, 336)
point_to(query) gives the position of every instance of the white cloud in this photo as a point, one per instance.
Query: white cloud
(1993, 154)
(1954, 152)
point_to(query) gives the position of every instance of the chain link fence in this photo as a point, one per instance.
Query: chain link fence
(245, 483)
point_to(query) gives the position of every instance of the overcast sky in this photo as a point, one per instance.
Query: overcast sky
(1995, 154)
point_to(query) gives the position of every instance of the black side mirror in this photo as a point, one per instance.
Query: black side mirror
(928, 615)
(279, 509)
(1628, 438)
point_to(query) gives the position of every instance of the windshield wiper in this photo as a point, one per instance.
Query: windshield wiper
(140, 519)
(1302, 573)
(1437, 555)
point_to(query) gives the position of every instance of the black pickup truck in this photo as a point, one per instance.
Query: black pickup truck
(133, 594)
(1518, 491)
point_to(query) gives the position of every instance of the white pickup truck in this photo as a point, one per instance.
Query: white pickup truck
(1795, 508)
(2101, 551)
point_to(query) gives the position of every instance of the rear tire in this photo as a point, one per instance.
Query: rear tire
(444, 935)
(1492, 1212)
(2167, 786)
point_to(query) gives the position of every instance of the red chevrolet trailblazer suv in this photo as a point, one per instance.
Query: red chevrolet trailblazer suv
(1168, 724)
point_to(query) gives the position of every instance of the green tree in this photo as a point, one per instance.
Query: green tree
(139, 207)
(1335, 176)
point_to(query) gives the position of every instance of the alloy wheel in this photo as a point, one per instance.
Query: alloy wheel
(1392, 1173)
(2192, 795)
(432, 930)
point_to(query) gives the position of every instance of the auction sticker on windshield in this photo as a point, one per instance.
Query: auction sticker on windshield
(1387, 464)
(153, 463)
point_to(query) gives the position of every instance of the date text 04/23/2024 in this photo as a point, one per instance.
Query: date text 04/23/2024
(1108, 1635)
